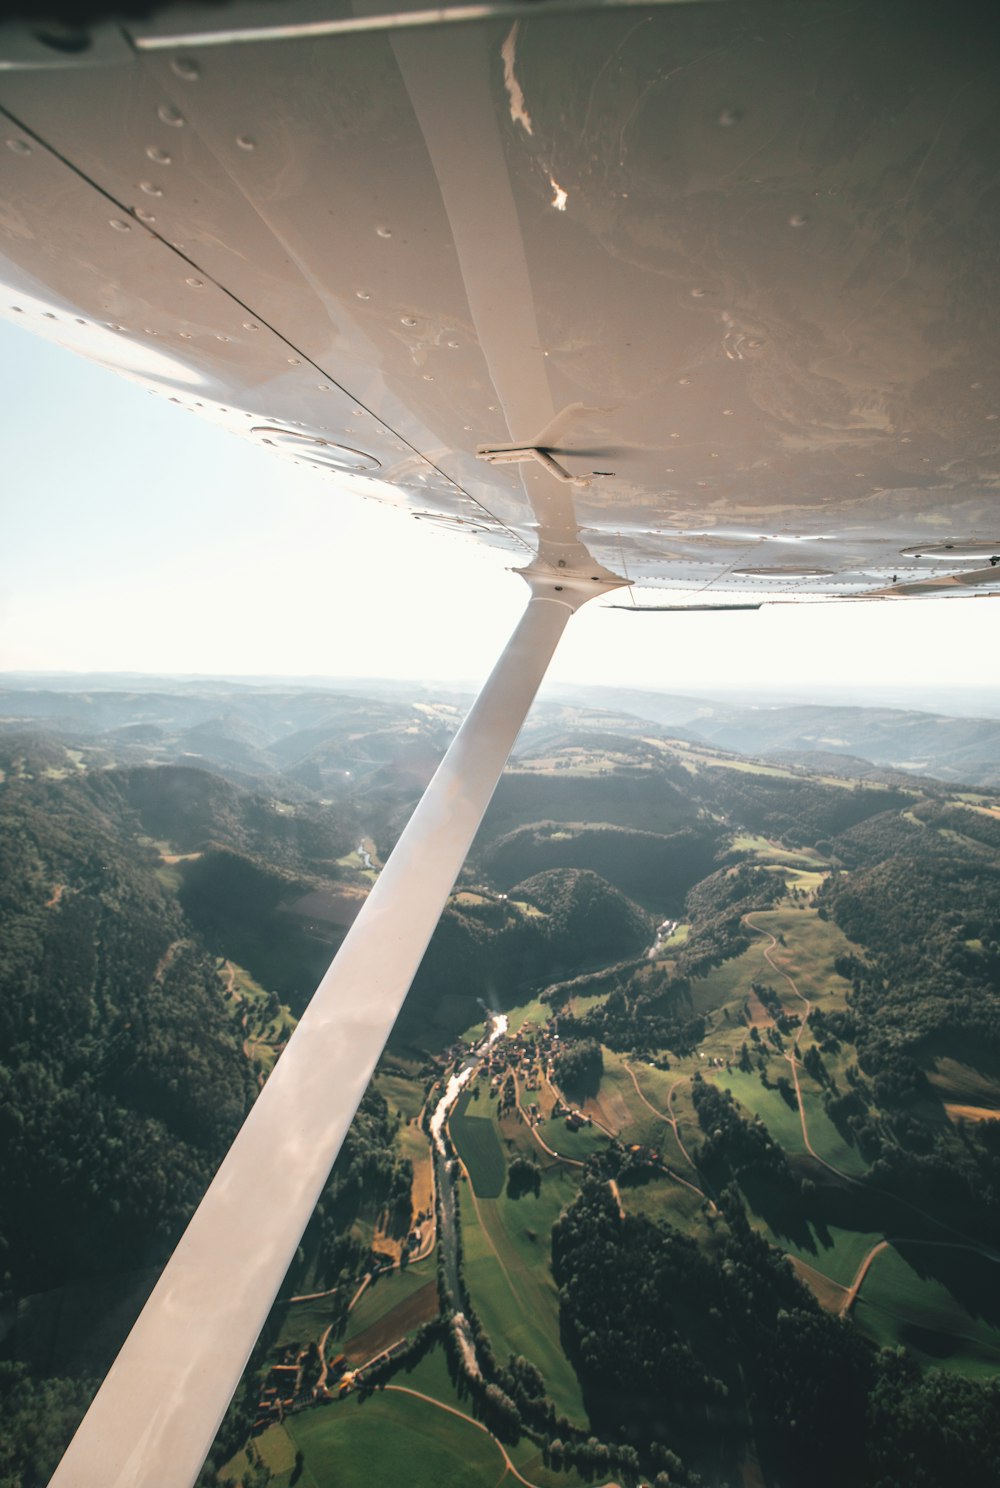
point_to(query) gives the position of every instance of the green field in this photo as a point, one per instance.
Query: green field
(386, 1293)
(477, 1144)
(812, 947)
(664, 1199)
(431, 1377)
(773, 852)
(405, 1096)
(897, 1305)
(535, 1014)
(393, 1438)
(274, 1447)
(507, 1248)
(654, 1083)
(580, 1005)
(305, 1322)
(833, 1251)
(784, 1124)
(623, 1109)
(576, 1144)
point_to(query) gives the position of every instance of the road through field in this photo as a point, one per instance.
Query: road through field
(671, 1121)
(405, 1390)
(967, 1242)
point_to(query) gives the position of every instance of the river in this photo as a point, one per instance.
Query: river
(443, 1174)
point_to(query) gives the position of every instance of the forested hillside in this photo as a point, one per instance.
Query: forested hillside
(720, 1203)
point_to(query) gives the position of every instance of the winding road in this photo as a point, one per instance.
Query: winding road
(964, 1242)
(672, 1122)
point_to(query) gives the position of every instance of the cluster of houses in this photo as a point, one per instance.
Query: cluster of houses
(527, 1054)
(291, 1384)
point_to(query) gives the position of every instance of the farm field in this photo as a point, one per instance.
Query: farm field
(663, 1199)
(411, 1441)
(419, 1307)
(784, 1124)
(812, 945)
(575, 1144)
(477, 1144)
(386, 1295)
(404, 1096)
(621, 1109)
(506, 1248)
(973, 1080)
(275, 1449)
(431, 1377)
(773, 852)
(831, 1250)
(901, 1303)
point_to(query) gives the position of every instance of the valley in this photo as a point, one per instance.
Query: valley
(720, 1191)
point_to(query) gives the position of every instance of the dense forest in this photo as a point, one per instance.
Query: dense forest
(665, 1336)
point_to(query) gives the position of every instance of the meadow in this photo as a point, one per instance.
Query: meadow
(902, 1303)
(506, 1249)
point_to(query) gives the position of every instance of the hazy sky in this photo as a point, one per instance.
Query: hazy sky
(136, 538)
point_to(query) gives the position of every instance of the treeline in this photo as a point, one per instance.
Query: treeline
(122, 1080)
(651, 800)
(654, 869)
(799, 812)
(369, 1179)
(194, 808)
(647, 1011)
(693, 1351)
(579, 1066)
(716, 907)
(931, 926)
(735, 1148)
(494, 950)
(122, 1083)
(649, 1007)
(237, 903)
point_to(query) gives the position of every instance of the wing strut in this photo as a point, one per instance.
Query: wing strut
(156, 1415)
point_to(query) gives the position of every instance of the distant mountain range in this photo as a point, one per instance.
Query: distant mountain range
(312, 735)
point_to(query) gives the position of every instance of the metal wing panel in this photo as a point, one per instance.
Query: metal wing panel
(732, 265)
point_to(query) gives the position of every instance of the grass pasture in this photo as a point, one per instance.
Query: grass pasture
(393, 1438)
(575, 1144)
(829, 1249)
(404, 1096)
(773, 852)
(808, 955)
(533, 1014)
(507, 1249)
(731, 980)
(275, 1449)
(387, 1295)
(621, 1108)
(784, 1124)
(413, 1144)
(972, 1080)
(306, 1322)
(405, 1317)
(477, 1144)
(902, 1303)
(663, 1199)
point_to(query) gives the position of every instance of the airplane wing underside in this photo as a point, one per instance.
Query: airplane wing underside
(703, 296)
(695, 296)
